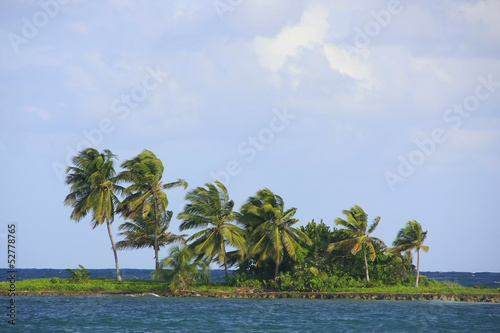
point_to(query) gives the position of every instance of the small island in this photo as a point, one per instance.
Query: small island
(275, 259)
(444, 291)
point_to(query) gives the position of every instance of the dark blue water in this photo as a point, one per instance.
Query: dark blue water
(154, 314)
(467, 279)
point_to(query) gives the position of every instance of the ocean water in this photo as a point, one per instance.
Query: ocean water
(197, 314)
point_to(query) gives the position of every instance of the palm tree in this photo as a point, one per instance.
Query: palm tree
(358, 237)
(93, 187)
(139, 233)
(145, 194)
(211, 207)
(180, 269)
(272, 234)
(409, 238)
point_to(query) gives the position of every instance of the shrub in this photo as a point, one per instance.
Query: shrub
(55, 280)
(79, 275)
(481, 287)
(242, 280)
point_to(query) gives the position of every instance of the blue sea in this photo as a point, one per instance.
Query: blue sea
(196, 314)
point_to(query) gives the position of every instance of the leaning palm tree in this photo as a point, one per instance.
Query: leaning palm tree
(181, 269)
(211, 207)
(93, 187)
(139, 233)
(145, 192)
(409, 238)
(358, 234)
(271, 227)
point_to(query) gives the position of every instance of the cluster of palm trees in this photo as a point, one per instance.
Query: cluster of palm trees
(95, 187)
(263, 229)
(267, 230)
(409, 238)
(268, 227)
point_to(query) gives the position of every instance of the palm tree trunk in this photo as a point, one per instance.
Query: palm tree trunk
(225, 261)
(118, 275)
(366, 264)
(155, 237)
(225, 267)
(276, 270)
(418, 267)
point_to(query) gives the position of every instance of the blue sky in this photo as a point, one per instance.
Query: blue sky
(390, 105)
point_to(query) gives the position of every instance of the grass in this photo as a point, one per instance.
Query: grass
(443, 289)
(92, 285)
(110, 285)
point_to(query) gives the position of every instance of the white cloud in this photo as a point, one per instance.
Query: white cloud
(261, 17)
(287, 56)
(351, 66)
(272, 53)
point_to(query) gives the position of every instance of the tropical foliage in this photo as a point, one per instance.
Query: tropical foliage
(409, 238)
(93, 190)
(261, 239)
(79, 275)
(211, 208)
(271, 228)
(145, 193)
(358, 235)
(181, 269)
(139, 233)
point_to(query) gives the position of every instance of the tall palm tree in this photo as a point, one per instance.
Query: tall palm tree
(356, 227)
(93, 187)
(146, 190)
(409, 238)
(181, 269)
(211, 207)
(271, 227)
(139, 233)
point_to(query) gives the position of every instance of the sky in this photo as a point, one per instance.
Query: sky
(389, 105)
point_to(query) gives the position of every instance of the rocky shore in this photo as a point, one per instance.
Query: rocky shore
(485, 298)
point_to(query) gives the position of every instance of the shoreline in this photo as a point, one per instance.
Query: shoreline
(452, 297)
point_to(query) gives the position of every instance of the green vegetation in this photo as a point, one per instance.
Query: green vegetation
(98, 285)
(358, 236)
(93, 189)
(261, 240)
(139, 233)
(212, 207)
(181, 270)
(270, 228)
(145, 193)
(409, 238)
(79, 275)
(91, 285)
